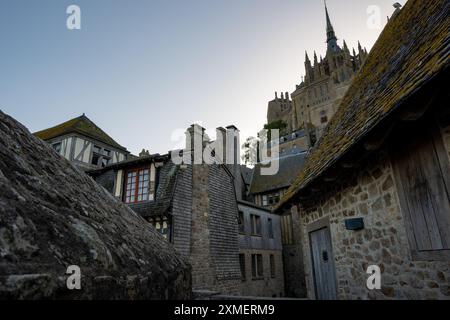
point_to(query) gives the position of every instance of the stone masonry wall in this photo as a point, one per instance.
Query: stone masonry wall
(372, 194)
(200, 257)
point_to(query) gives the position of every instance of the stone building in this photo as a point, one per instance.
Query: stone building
(267, 191)
(83, 143)
(316, 98)
(193, 206)
(375, 190)
(260, 251)
(281, 109)
(53, 217)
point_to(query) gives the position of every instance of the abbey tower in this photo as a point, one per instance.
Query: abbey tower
(316, 98)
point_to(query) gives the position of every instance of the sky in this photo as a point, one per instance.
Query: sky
(145, 70)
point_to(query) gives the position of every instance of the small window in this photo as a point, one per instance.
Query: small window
(272, 266)
(273, 198)
(106, 152)
(96, 156)
(242, 265)
(257, 266)
(265, 200)
(241, 222)
(256, 224)
(163, 225)
(270, 228)
(323, 117)
(95, 159)
(57, 147)
(106, 161)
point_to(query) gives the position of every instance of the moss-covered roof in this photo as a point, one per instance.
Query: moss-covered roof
(82, 125)
(411, 51)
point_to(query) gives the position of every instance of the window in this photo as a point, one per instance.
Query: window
(274, 198)
(265, 200)
(105, 162)
(241, 222)
(96, 155)
(163, 225)
(242, 265)
(97, 149)
(95, 159)
(270, 228)
(137, 188)
(256, 224)
(101, 156)
(257, 266)
(57, 147)
(323, 117)
(272, 266)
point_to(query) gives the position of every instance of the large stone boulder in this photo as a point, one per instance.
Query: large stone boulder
(53, 216)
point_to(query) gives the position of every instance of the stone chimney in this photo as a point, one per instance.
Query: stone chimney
(233, 158)
(144, 153)
(195, 135)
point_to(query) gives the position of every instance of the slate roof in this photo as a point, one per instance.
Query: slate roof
(82, 125)
(411, 51)
(164, 192)
(133, 161)
(289, 167)
(246, 173)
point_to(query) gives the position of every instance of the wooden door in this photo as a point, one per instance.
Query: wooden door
(323, 264)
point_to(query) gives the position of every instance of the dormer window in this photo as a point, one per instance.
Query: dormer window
(137, 186)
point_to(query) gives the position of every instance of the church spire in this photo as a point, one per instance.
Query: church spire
(331, 36)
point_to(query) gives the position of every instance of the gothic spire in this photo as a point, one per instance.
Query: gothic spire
(331, 36)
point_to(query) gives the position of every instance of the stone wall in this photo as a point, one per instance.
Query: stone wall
(371, 193)
(74, 221)
(200, 257)
(214, 243)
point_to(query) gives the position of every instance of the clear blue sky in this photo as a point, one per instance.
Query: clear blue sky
(142, 69)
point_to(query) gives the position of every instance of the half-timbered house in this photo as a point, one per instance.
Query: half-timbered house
(83, 143)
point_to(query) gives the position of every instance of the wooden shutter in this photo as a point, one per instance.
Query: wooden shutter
(422, 174)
